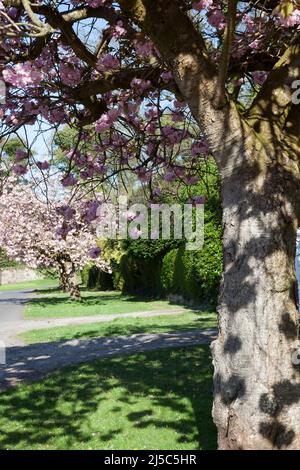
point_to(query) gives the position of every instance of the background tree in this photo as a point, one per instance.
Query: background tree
(43, 235)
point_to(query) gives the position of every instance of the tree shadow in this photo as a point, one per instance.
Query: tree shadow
(133, 328)
(282, 395)
(93, 299)
(110, 400)
(48, 290)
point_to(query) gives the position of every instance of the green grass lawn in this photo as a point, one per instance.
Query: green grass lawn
(125, 326)
(38, 284)
(58, 305)
(157, 400)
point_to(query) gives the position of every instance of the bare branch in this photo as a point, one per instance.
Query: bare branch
(119, 80)
(34, 18)
(272, 104)
(220, 94)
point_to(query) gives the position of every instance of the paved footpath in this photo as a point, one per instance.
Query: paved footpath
(12, 304)
(29, 363)
(29, 325)
(12, 322)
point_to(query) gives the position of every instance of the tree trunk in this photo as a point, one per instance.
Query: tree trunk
(256, 384)
(63, 278)
(73, 283)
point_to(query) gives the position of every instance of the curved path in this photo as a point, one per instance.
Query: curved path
(29, 325)
(32, 362)
(27, 363)
(12, 305)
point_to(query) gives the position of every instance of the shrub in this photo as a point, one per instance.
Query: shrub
(195, 274)
(149, 249)
(6, 262)
(141, 275)
(160, 267)
(93, 278)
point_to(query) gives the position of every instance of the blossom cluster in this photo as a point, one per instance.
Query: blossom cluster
(132, 117)
(41, 234)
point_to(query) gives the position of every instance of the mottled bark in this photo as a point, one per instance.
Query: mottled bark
(63, 278)
(256, 385)
(68, 279)
(73, 283)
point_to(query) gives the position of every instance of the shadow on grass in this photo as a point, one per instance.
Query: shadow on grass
(57, 290)
(121, 398)
(118, 330)
(90, 298)
(48, 290)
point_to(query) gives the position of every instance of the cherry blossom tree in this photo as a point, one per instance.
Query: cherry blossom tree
(46, 235)
(225, 75)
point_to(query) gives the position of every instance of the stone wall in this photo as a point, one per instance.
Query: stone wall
(13, 276)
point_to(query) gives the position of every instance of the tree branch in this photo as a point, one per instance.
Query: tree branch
(183, 49)
(56, 20)
(220, 94)
(271, 106)
(122, 80)
(181, 46)
(34, 18)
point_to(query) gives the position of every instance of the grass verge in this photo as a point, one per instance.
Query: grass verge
(58, 305)
(37, 284)
(124, 326)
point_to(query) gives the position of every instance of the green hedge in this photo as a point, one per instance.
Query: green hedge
(140, 275)
(195, 274)
(93, 278)
(162, 267)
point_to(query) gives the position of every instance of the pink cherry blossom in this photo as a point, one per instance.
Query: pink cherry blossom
(292, 20)
(107, 120)
(202, 5)
(108, 62)
(166, 76)
(144, 49)
(19, 169)
(20, 155)
(216, 19)
(45, 235)
(259, 77)
(140, 84)
(70, 180)
(199, 148)
(69, 74)
(43, 165)
(118, 30)
(21, 75)
(256, 44)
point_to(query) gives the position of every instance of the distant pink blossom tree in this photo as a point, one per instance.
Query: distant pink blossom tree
(42, 234)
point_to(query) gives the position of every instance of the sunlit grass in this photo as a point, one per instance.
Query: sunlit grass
(125, 326)
(37, 284)
(58, 305)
